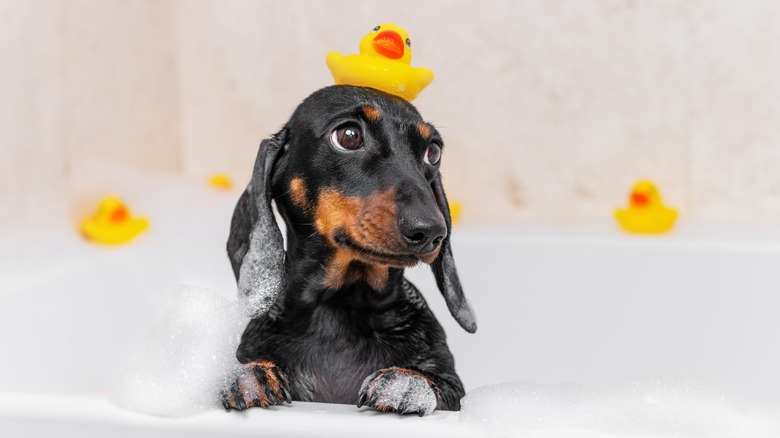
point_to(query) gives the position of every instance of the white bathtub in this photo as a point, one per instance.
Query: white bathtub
(589, 306)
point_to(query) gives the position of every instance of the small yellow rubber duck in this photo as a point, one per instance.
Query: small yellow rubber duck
(455, 209)
(112, 224)
(383, 63)
(221, 181)
(646, 212)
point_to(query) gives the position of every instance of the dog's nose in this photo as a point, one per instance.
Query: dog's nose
(422, 234)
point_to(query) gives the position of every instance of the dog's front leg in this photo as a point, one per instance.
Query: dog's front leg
(400, 390)
(259, 383)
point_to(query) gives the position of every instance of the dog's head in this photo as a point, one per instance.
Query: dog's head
(359, 169)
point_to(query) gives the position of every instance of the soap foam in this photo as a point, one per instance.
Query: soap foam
(189, 357)
(647, 407)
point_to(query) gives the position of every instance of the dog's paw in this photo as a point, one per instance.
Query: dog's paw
(399, 390)
(260, 384)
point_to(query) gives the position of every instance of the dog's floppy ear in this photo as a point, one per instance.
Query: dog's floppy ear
(256, 247)
(444, 269)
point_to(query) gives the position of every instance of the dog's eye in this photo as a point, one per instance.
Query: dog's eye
(432, 154)
(347, 138)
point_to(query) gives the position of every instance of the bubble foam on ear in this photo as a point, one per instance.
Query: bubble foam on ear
(642, 408)
(189, 357)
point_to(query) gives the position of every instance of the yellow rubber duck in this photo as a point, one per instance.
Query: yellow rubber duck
(455, 209)
(383, 63)
(221, 181)
(113, 224)
(646, 212)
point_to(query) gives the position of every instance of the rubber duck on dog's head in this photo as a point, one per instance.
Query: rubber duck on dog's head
(383, 64)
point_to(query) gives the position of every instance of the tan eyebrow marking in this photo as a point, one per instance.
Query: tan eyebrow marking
(424, 130)
(371, 113)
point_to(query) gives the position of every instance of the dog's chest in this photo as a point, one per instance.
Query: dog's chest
(338, 349)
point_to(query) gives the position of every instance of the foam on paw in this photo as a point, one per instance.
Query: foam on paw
(399, 390)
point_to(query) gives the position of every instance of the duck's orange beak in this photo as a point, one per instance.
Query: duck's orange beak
(120, 214)
(389, 44)
(639, 199)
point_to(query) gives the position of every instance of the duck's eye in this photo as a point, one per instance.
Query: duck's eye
(347, 138)
(377, 28)
(432, 154)
(408, 43)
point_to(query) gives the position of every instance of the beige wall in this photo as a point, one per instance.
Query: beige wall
(550, 109)
(85, 83)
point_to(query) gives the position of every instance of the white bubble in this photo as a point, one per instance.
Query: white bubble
(189, 357)
(645, 407)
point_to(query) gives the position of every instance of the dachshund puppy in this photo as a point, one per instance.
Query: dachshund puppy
(355, 176)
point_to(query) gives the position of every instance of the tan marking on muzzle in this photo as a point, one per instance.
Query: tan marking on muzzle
(335, 210)
(370, 224)
(431, 256)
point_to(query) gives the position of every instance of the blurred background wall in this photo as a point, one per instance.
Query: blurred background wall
(549, 109)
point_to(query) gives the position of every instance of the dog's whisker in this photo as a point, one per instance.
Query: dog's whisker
(284, 193)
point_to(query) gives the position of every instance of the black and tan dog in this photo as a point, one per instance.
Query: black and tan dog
(355, 175)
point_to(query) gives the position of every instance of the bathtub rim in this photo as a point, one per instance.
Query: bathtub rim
(29, 413)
